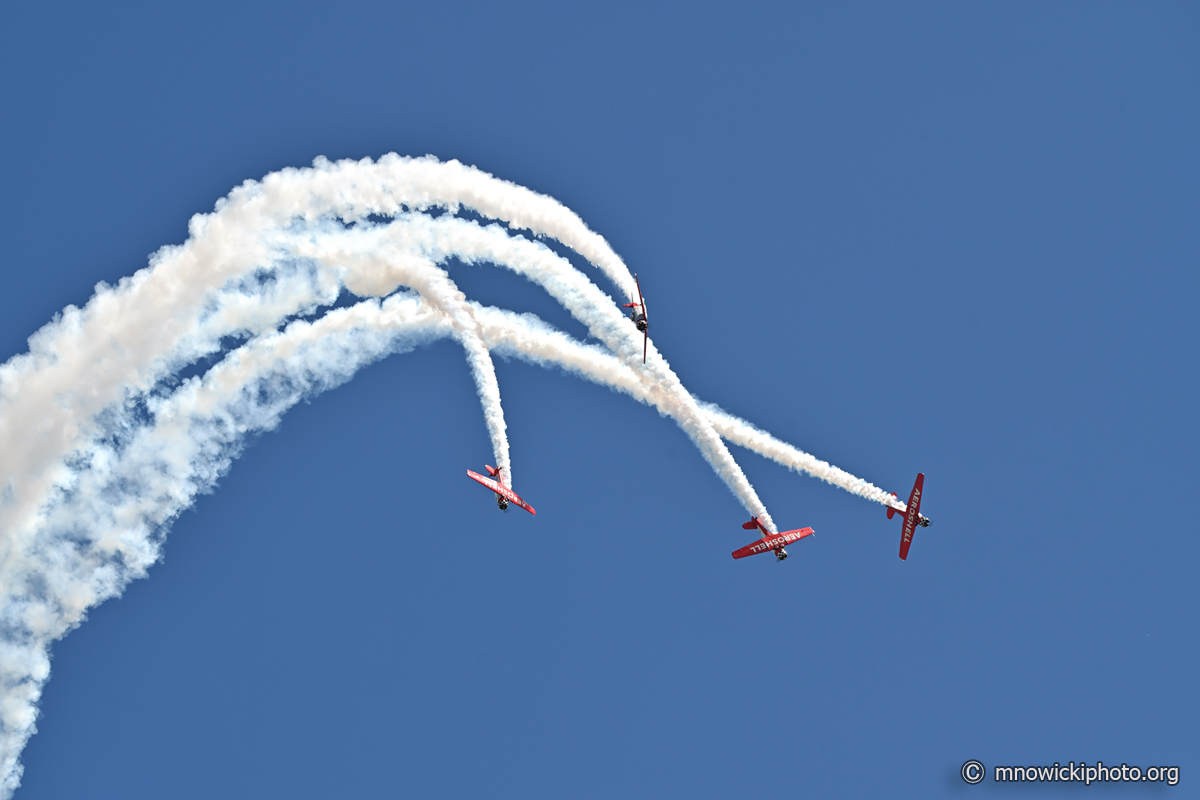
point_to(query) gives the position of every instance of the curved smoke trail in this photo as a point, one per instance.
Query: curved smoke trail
(530, 339)
(101, 447)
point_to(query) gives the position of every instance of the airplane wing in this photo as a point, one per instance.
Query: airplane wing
(754, 548)
(512, 498)
(488, 482)
(912, 513)
(504, 491)
(770, 540)
(646, 314)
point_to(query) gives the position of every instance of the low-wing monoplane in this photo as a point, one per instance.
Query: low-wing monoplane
(911, 514)
(770, 541)
(637, 315)
(504, 495)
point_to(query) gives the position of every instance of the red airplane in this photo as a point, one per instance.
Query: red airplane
(638, 315)
(912, 516)
(504, 495)
(770, 541)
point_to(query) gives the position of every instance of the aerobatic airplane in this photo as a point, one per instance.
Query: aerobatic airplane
(770, 541)
(638, 315)
(504, 495)
(912, 516)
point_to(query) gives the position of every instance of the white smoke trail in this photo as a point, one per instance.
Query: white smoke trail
(107, 526)
(129, 337)
(449, 237)
(108, 529)
(41, 606)
(367, 272)
(743, 433)
(529, 338)
(88, 409)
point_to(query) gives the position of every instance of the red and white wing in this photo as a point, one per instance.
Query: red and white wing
(512, 498)
(754, 548)
(488, 482)
(505, 492)
(770, 540)
(645, 318)
(797, 535)
(912, 514)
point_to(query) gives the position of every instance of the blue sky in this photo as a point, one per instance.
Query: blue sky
(962, 239)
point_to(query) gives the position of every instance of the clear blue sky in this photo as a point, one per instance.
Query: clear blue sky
(962, 239)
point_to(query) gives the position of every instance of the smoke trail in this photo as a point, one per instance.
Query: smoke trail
(51, 579)
(449, 237)
(98, 447)
(529, 338)
(367, 271)
(108, 526)
(131, 336)
(743, 433)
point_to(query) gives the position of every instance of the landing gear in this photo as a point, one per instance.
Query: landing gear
(502, 503)
(781, 554)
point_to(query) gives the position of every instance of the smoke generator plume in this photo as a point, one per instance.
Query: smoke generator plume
(102, 445)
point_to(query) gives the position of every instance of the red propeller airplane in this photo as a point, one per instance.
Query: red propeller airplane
(770, 541)
(638, 315)
(912, 516)
(504, 495)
